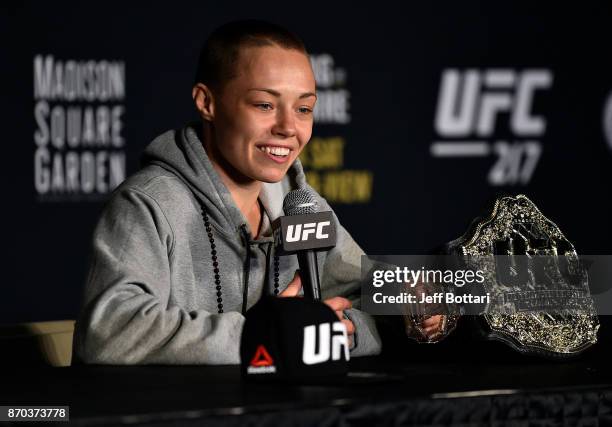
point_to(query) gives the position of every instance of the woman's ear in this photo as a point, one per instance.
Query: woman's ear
(204, 102)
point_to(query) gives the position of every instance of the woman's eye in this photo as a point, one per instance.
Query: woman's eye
(264, 106)
(305, 110)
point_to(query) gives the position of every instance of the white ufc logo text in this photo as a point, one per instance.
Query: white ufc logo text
(329, 346)
(301, 232)
(470, 105)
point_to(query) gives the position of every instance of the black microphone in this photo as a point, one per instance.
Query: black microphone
(303, 202)
(303, 231)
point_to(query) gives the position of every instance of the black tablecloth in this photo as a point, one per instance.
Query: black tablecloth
(461, 381)
(380, 391)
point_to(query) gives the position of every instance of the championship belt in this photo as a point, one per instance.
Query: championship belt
(540, 302)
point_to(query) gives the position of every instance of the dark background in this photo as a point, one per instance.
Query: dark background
(393, 56)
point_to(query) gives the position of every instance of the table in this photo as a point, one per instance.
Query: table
(381, 391)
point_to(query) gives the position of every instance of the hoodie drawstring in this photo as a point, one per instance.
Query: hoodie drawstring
(267, 276)
(246, 268)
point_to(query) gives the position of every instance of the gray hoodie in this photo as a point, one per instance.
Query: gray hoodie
(150, 295)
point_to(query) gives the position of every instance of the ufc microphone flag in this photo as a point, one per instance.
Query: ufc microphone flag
(308, 231)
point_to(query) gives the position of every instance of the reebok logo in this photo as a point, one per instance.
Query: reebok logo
(262, 362)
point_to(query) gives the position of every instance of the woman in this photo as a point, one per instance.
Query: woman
(184, 246)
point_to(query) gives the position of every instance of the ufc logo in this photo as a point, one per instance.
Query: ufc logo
(470, 102)
(301, 232)
(329, 346)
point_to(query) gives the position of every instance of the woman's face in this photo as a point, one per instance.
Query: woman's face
(263, 117)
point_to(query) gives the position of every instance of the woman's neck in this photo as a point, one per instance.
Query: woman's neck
(245, 191)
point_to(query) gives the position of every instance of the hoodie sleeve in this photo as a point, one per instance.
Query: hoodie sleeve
(342, 277)
(128, 316)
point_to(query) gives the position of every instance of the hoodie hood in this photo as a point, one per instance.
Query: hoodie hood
(182, 153)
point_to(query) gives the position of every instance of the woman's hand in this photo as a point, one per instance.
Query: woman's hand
(432, 326)
(338, 304)
(293, 288)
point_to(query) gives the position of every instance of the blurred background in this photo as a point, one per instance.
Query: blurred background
(426, 113)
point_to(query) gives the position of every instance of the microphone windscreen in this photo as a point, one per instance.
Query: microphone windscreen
(299, 202)
(293, 339)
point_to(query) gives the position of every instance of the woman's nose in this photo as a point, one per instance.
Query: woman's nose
(285, 124)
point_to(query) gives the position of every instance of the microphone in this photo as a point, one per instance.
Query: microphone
(304, 231)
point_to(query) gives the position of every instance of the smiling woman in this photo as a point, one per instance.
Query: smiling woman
(259, 121)
(185, 245)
